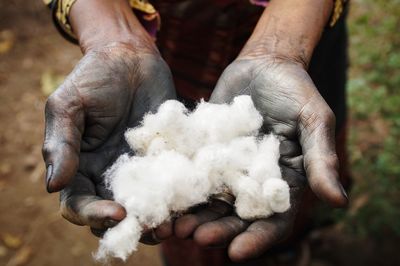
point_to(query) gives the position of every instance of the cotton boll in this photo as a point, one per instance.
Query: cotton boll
(222, 123)
(207, 118)
(181, 158)
(150, 213)
(265, 164)
(170, 118)
(246, 115)
(139, 139)
(277, 193)
(209, 160)
(238, 156)
(187, 185)
(121, 241)
(242, 150)
(180, 133)
(269, 147)
(250, 203)
(168, 122)
(225, 162)
(157, 145)
(111, 172)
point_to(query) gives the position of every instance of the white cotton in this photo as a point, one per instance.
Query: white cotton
(277, 193)
(265, 164)
(250, 201)
(120, 241)
(182, 158)
(222, 123)
(170, 121)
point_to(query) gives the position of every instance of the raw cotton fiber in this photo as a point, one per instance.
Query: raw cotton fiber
(182, 158)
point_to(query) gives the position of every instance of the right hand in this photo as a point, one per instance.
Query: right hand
(296, 113)
(109, 91)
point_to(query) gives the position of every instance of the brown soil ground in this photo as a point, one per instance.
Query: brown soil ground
(31, 229)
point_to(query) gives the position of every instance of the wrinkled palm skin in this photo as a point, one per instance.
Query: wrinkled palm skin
(111, 89)
(108, 91)
(292, 109)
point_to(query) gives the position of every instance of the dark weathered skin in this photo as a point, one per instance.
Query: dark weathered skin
(122, 76)
(293, 109)
(107, 92)
(272, 68)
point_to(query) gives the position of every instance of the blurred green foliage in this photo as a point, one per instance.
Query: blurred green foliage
(374, 103)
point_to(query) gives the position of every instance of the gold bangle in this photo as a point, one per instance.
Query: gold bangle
(61, 14)
(338, 7)
(142, 5)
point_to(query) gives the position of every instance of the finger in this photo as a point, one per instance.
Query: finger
(258, 237)
(164, 231)
(149, 238)
(98, 232)
(186, 224)
(92, 211)
(219, 233)
(81, 206)
(264, 233)
(317, 138)
(64, 126)
(291, 155)
(157, 235)
(288, 148)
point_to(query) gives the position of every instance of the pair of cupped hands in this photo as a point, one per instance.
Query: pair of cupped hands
(114, 86)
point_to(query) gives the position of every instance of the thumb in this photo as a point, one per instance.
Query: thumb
(317, 138)
(80, 205)
(63, 133)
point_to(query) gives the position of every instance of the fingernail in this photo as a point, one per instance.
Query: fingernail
(344, 192)
(49, 173)
(110, 223)
(97, 232)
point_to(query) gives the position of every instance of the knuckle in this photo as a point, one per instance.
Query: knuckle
(54, 104)
(63, 101)
(327, 117)
(332, 161)
(51, 102)
(322, 120)
(67, 211)
(48, 149)
(316, 113)
(310, 121)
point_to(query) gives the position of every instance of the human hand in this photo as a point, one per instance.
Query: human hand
(109, 91)
(294, 110)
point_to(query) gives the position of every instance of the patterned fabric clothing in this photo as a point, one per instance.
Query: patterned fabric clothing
(199, 38)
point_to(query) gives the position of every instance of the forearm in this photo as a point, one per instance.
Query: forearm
(98, 23)
(289, 29)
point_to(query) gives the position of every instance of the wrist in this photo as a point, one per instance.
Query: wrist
(104, 23)
(289, 30)
(267, 51)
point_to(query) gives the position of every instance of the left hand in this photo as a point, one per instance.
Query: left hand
(110, 90)
(294, 110)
